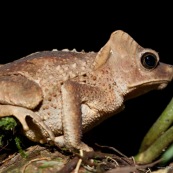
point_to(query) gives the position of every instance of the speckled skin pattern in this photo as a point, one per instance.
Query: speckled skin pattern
(59, 95)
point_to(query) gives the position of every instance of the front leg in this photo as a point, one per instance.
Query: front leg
(72, 116)
(73, 96)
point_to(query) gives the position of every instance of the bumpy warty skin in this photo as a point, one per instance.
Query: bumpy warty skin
(59, 95)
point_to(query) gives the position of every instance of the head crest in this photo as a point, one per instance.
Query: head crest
(119, 43)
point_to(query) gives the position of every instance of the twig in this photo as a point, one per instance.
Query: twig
(70, 166)
(114, 149)
(34, 160)
(79, 162)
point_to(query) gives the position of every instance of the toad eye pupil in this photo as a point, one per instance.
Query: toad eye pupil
(149, 60)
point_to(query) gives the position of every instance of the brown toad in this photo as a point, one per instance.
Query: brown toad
(59, 95)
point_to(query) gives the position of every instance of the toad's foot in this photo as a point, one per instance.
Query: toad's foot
(59, 141)
(21, 113)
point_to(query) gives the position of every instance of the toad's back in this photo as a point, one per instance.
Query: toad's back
(58, 65)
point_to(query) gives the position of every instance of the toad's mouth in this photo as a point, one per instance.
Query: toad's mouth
(153, 84)
(140, 89)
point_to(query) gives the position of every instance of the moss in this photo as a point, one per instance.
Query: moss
(9, 134)
(7, 123)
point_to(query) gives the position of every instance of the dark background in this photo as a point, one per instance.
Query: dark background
(28, 28)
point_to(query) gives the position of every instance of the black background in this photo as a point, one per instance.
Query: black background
(28, 28)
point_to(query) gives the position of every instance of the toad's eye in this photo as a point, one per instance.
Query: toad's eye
(149, 60)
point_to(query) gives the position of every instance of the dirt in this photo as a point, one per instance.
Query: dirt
(42, 159)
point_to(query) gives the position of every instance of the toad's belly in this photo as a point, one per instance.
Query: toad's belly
(52, 117)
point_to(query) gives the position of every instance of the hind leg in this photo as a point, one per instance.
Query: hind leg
(18, 97)
(21, 114)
